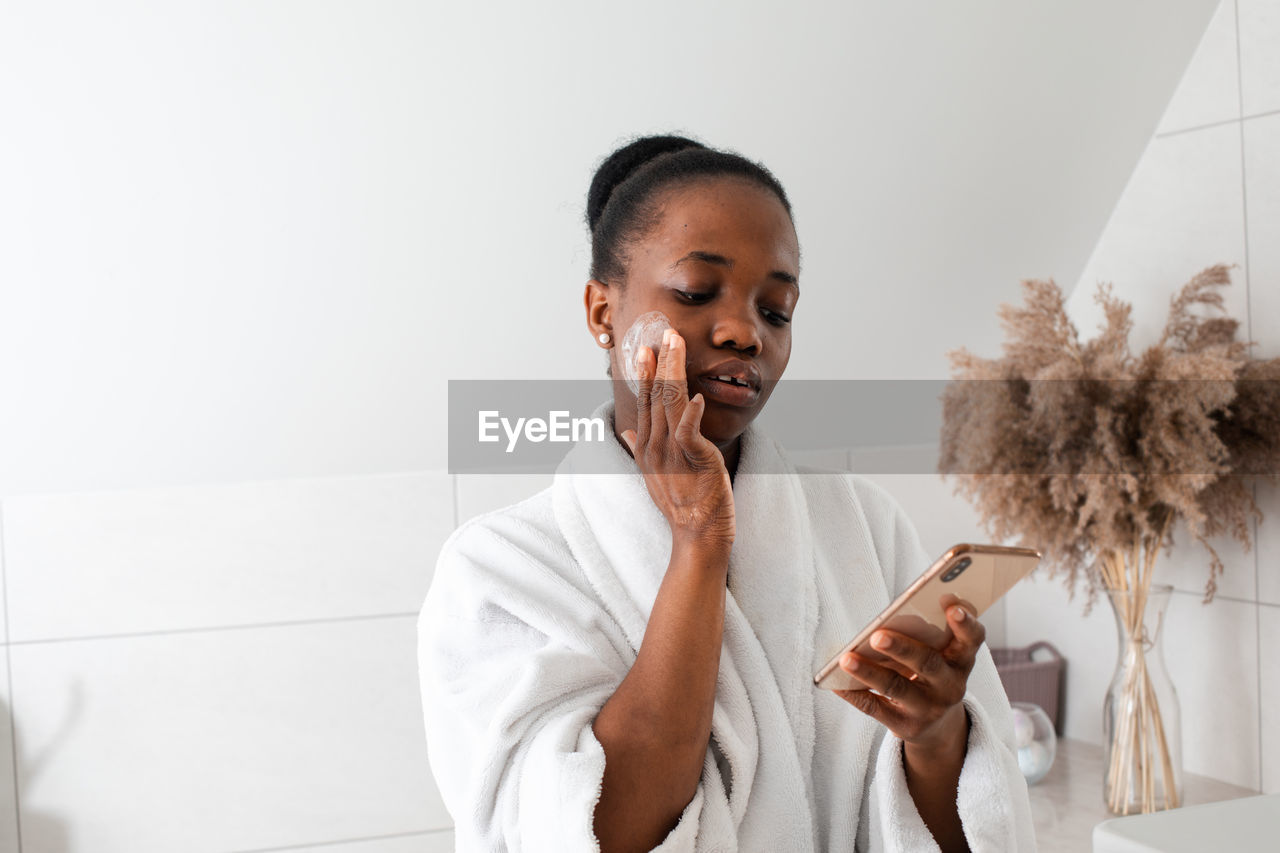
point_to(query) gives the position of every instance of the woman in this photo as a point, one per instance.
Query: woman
(625, 662)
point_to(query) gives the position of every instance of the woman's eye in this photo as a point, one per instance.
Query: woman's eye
(696, 298)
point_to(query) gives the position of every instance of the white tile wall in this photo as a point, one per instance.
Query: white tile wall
(1209, 89)
(1262, 189)
(1181, 211)
(1259, 56)
(1267, 554)
(1211, 653)
(1193, 198)
(222, 740)
(165, 559)
(1262, 186)
(1269, 649)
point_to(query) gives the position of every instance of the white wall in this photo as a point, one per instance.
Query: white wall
(1206, 191)
(247, 241)
(244, 245)
(219, 668)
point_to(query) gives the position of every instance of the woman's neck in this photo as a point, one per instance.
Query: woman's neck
(731, 456)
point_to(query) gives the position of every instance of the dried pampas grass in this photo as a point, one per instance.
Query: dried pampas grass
(1086, 451)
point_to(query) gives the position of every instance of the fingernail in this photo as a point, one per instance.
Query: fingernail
(880, 641)
(849, 662)
(666, 335)
(959, 613)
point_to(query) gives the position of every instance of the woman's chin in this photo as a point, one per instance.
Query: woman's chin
(721, 426)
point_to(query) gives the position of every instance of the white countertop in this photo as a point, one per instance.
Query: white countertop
(1244, 825)
(1067, 804)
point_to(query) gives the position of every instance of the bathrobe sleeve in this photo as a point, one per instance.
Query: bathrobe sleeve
(515, 660)
(994, 807)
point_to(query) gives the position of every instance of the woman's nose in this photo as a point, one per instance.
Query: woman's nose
(739, 329)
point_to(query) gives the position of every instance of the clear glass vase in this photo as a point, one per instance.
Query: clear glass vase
(1141, 723)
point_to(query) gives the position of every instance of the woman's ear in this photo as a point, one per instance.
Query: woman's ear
(599, 312)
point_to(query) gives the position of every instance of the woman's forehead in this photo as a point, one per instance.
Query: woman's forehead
(739, 222)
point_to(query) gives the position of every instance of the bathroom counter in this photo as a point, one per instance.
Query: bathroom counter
(1067, 803)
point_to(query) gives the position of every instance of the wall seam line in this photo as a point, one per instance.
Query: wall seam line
(8, 674)
(1217, 597)
(1248, 315)
(1196, 127)
(341, 841)
(164, 632)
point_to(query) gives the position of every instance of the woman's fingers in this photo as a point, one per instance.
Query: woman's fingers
(892, 685)
(658, 391)
(645, 376)
(670, 390)
(677, 390)
(932, 673)
(909, 709)
(876, 707)
(968, 634)
(918, 658)
(915, 705)
(689, 428)
(663, 397)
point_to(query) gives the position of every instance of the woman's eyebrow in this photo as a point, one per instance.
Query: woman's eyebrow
(721, 260)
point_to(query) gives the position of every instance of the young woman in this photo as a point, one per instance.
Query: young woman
(624, 661)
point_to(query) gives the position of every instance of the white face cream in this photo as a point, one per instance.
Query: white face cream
(646, 331)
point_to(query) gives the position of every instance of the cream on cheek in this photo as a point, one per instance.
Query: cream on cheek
(645, 331)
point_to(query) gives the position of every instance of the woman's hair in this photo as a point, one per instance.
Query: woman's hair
(623, 202)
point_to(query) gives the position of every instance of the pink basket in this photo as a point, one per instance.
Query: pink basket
(1035, 681)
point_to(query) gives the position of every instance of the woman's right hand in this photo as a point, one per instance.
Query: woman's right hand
(684, 471)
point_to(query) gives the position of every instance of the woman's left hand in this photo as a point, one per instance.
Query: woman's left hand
(924, 707)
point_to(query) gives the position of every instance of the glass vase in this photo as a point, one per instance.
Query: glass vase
(1141, 723)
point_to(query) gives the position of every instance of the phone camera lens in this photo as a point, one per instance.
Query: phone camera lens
(955, 570)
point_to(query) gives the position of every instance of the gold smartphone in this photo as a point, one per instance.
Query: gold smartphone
(976, 575)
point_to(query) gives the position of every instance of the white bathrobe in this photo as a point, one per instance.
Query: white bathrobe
(537, 611)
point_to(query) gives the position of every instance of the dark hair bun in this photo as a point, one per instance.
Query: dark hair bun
(625, 197)
(623, 162)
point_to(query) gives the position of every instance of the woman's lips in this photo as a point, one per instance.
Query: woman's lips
(726, 392)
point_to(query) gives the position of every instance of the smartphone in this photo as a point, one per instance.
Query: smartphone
(973, 575)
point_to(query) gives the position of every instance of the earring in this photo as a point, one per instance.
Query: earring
(605, 337)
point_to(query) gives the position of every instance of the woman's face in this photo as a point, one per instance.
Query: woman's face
(723, 265)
